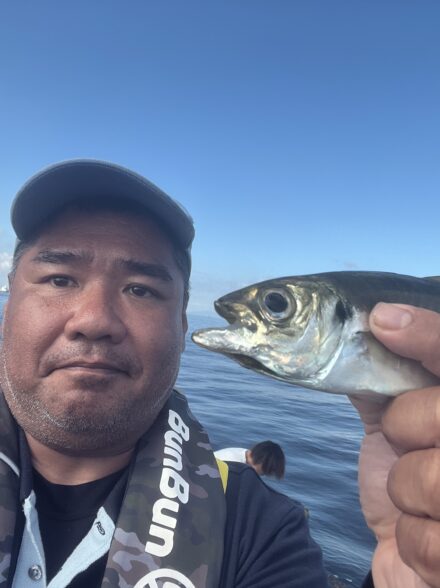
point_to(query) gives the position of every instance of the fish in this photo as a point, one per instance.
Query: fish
(312, 331)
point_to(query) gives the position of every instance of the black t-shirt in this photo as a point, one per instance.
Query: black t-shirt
(65, 515)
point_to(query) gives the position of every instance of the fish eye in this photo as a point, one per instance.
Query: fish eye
(277, 304)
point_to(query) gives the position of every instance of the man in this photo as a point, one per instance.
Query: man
(267, 458)
(106, 477)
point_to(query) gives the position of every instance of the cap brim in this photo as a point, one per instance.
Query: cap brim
(59, 185)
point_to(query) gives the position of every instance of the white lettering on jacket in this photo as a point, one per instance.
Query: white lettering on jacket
(173, 487)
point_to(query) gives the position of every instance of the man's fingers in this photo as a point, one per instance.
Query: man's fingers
(414, 483)
(419, 547)
(413, 486)
(409, 331)
(412, 420)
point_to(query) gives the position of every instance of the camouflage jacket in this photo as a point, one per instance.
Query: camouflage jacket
(162, 534)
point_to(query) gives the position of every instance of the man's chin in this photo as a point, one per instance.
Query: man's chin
(91, 450)
(81, 425)
(84, 438)
(88, 405)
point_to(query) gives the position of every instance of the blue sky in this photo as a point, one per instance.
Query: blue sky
(302, 136)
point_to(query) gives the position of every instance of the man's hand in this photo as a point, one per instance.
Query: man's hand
(399, 469)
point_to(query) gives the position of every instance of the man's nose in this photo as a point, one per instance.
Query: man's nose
(95, 315)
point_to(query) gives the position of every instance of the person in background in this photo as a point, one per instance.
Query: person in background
(267, 458)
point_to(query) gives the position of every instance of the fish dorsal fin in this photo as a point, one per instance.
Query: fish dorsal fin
(436, 278)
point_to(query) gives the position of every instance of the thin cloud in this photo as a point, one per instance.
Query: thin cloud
(5, 262)
(350, 265)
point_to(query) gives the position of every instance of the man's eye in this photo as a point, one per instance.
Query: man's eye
(140, 291)
(61, 281)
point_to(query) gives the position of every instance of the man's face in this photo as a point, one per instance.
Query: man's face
(93, 332)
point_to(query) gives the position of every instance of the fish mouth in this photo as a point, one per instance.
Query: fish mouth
(250, 363)
(226, 310)
(238, 315)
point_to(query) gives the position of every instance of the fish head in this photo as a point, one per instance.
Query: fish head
(287, 328)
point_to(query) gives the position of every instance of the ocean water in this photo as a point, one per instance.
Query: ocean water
(320, 434)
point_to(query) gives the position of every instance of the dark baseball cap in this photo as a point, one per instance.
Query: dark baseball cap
(59, 185)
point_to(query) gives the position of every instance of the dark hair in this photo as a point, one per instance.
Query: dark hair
(112, 205)
(271, 458)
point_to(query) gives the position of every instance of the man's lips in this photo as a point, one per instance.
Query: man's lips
(88, 360)
(91, 367)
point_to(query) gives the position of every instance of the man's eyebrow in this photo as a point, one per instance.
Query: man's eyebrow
(133, 266)
(59, 256)
(153, 270)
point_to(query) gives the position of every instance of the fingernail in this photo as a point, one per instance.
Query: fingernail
(391, 316)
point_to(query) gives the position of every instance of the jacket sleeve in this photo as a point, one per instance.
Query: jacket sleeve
(267, 540)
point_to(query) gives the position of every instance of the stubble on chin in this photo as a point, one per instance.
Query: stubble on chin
(73, 430)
